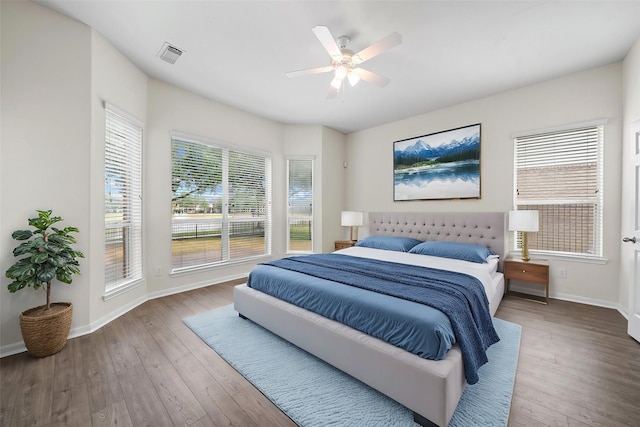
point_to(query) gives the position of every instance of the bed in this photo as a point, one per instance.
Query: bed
(430, 388)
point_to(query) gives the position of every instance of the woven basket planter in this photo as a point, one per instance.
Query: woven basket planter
(46, 333)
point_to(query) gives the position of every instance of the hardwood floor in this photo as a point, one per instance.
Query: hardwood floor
(577, 367)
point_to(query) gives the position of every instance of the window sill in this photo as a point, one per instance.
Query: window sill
(215, 266)
(117, 291)
(588, 259)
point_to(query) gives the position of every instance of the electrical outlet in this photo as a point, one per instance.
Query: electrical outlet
(159, 270)
(563, 273)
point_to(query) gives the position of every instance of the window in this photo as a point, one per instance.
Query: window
(220, 202)
(300, 205)
(559, 174)
(123, 200)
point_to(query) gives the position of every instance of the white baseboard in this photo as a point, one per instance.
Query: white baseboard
(192, 286)
(572, 298)
(18, 347)
(589, 301)
(14, 348)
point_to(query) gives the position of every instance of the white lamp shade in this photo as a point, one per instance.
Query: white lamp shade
(353, 78)
(523, 220)
(351, 219)
(336, 83)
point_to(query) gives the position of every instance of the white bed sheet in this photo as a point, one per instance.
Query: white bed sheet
(487, 273)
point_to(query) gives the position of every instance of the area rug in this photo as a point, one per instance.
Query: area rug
(315, 394)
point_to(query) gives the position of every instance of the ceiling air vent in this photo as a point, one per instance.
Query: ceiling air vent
(170, 53)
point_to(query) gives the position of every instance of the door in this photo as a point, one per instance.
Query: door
(630, 253)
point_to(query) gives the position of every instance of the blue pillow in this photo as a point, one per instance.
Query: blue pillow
(456, 250)
(389, 243)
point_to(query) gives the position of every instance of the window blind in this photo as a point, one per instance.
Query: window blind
(123, 199)
(560, 175)
(300, 205)
(220, 204)
(248, 207)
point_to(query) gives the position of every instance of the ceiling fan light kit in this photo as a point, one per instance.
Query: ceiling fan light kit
(345, 63)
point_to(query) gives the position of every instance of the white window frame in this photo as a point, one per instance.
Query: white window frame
(123, 142)
(598, 200)
(226, 220)
(291, 219)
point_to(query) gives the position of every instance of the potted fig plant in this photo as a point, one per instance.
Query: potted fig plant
(45, 255)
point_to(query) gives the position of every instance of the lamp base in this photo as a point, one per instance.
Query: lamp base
(354, 234)
(525, 247)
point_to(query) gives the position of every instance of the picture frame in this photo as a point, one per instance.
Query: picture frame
(438, 166)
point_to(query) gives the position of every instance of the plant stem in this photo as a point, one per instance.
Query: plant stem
(48, 295)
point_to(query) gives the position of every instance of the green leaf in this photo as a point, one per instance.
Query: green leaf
(38, 223)
(44, 215)
(44, 220)
(52, 247)
(20, 269)
(39, 257)
(16, 286)
(22, 234)
(64, 277)
(47, 273)
(39, 242)
(57, 261)
(64, 254)
(24, 248)
(61, 239)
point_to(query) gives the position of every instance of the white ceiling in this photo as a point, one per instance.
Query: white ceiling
(237, 52)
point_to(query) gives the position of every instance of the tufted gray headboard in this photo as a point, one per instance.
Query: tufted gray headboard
(483, 228)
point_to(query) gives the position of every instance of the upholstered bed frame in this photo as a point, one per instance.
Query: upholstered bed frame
(483, 228)
(431, 389)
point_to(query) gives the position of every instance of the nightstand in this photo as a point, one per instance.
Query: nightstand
(534, 271)
(343, 244)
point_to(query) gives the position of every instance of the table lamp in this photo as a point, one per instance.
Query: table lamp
(352, 219)
(523, 221)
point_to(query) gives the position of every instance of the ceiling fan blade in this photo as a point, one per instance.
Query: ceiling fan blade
(309, 71)
(392, 40)
(327, 40)
(370, 77)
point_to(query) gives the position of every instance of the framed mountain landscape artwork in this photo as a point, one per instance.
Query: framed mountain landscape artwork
(441, 165)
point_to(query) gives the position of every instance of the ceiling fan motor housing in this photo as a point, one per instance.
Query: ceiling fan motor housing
(346, 60)
(343, 41)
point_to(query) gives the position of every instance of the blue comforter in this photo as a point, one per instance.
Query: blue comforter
(459, 296)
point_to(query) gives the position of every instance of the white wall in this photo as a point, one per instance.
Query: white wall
(589, 95)
(333, 188)
(46, 120)
(631, 79)
(117, 81)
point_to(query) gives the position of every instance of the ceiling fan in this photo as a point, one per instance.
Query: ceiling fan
(345, 63)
